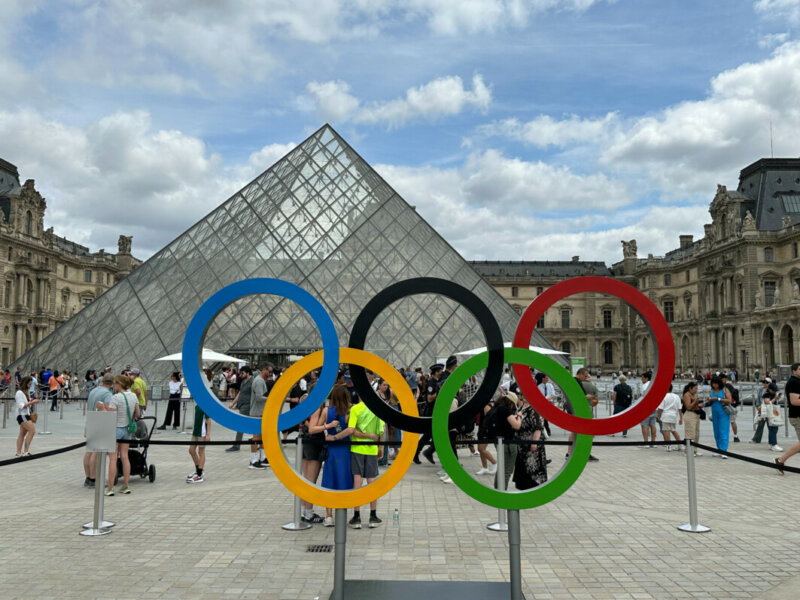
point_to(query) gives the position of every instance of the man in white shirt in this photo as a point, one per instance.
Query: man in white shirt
(670, 415)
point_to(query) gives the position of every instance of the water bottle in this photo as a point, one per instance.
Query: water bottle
(396, 519)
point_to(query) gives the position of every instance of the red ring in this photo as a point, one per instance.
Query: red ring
(664, 352)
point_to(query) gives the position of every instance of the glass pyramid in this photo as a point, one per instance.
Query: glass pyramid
(320, 217)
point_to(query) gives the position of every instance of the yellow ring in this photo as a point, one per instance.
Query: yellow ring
(308, 491)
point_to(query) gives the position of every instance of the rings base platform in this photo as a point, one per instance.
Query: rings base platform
(366, 589)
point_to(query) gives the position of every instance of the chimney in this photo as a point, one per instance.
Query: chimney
(576, 258)
(686, 240)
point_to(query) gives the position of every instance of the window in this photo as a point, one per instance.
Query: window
(66, 271)
(28, 220)
(566, 347)
(688, 276)
(794, 250)
(667, 280)
(539, 290)
(514, 291)
(608, 353)
(540, 323)
(7, 298)
(86, 301)
(768, 255)
(740, 294)
(108, 278)
(606, 319)
(769, 293)
(669, 311)
(10, 253)
(87, 276)
(565, 319)
(791, 203)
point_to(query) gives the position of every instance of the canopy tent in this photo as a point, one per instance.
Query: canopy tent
(208, 356)
(538, 349)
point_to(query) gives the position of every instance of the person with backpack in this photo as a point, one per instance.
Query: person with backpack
(622, 397)
(126, 405)
(504, 421)
(486, 456)
(734, 404)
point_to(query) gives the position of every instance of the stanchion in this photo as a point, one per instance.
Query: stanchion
(60, 401)
(5, 412)
(514, 555)
(500, 484)
(340, 544)
(45, 430)
(85, 403)
(98, 526)
(692, 526)
(297, 524)
(183, 423)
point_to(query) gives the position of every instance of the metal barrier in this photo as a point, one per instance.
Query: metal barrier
(297, 523)
(692, 526)
(500, 484)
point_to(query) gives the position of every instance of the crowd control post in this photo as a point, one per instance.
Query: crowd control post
(101, 437)
(297, 523)
(500, 484)
(692, 526)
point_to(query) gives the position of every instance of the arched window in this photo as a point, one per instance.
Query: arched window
(7, 297)
(566, 347)
(29, 293)
(608, 353)
(28, 220)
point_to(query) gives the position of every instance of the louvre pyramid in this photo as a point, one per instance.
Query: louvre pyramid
(320, 217)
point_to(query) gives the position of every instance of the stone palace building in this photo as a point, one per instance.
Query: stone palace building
(44, 278)
(732, 298)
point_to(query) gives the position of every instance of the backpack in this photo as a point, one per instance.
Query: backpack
(624, 395)
(133, 427)
(490, 425)
(734, 394)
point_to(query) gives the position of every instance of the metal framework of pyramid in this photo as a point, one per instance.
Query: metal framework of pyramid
(320, 217)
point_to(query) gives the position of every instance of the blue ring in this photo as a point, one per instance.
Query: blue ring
(196, 332)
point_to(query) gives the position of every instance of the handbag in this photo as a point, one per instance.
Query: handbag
(774, 417)
(34, 416)
(729, 409)
(132, 425)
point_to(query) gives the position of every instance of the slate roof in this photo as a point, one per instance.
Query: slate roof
(539, 268)
(773, 186)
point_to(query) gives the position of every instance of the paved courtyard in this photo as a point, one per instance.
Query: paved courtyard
(611, 536)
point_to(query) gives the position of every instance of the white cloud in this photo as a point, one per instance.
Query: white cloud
(332, 99)
(545, 131)
(119, 175)
(771, 40)
(788, 10)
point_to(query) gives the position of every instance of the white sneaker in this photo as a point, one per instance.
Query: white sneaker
(698, 453)
(483, 471)
(669, 448)
(328, 522)
(723, 456)
(776, 448)
(493, 469)
(476, 453)
(446, 480)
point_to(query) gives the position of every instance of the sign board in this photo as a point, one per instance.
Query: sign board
(155, 392)
(784, 372)
(101, 431)
(576, 363)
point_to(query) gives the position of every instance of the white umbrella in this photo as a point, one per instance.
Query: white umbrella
(475, 351)
(208, 356)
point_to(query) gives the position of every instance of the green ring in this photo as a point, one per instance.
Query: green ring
(511, 500)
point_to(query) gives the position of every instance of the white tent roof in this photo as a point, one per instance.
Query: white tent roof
(208, 356)
(475, 351)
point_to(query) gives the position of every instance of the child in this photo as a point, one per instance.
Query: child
(670, 415)
(200, 432)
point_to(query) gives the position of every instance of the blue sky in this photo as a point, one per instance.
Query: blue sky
(521, 129)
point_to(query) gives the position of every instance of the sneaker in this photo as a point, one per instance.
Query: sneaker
(374, 521)
(232, 449)
(593, 458)
(669, 448)
(446, 479)
(475, 453)
(126, 490)
(482, 471)
(443, 477)
(190, 476)
(264, 463)
(91, 484)
(18, 454)
(722, 456)
(428, 454)
(493, 469)
(417, 461)
(87, 482)
(736, 439)
(109, 492)
(314, 519)
(355, 522)
(776, 448)
(625, 434)
(714, 454)
(162, 428)
(328, 522)
(257, 465)
(195, 478)
(652, 445)
(698, 453)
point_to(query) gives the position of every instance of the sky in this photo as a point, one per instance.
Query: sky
(520, 129)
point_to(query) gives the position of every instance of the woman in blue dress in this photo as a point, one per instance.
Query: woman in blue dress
(336, 474)
(720, 397)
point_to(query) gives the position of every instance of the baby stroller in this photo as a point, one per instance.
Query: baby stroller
(137, 451)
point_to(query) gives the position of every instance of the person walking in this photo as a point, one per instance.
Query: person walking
(649, 424)
(622, 397)
(241, 399)
(258, 398)
(792, 392)
(27, 429)
(201, 432)
(174, 404)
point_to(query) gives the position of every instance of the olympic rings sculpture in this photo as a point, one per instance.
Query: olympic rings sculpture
(407, 418)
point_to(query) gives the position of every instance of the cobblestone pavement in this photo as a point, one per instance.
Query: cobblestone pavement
(611, 536)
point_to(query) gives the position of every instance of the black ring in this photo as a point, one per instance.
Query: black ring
(479, 310)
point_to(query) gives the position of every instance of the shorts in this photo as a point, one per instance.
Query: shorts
(669, 426)
(199, 428)
(313, 449)
(22, 418)
(365, 465)
(123, 435)
(649, 421)
(795, 422)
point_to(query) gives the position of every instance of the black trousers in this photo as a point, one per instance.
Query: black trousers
(173, 412)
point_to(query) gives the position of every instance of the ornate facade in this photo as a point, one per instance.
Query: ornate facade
(45, 278)
(732, 298)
